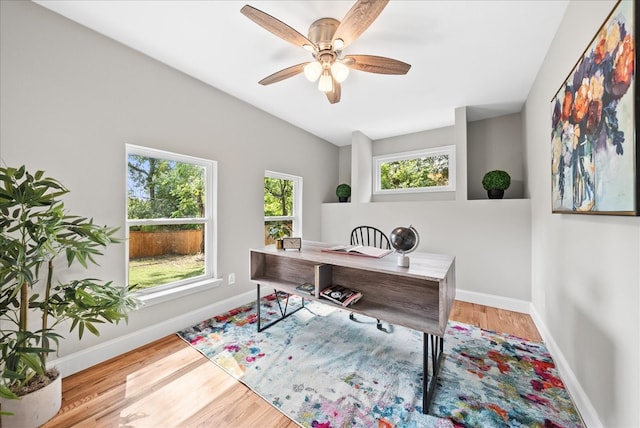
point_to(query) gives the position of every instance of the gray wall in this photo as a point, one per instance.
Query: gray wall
(496, 144)
(344, 165)
(489, 239)
(71, 100)
(586, 269)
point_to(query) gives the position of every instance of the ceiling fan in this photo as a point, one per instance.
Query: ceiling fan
(326, 39)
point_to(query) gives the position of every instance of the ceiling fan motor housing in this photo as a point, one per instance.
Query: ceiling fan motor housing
(321, 32)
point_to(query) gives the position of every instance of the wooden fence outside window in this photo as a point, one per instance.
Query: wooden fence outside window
(153, 244)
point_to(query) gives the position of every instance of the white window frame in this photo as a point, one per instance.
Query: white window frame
(296, 217)
(175, 289)
(436, 151)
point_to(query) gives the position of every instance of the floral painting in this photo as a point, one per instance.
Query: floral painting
(593, 142)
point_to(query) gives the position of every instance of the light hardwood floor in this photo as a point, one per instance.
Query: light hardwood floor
(169, 384)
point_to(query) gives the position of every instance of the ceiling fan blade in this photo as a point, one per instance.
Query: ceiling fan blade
(275, 26)
(334, 95)
(358, 19)
(283, 74)
(376, 64)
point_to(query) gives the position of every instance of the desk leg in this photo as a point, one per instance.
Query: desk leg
(433, 346)
(283, 312)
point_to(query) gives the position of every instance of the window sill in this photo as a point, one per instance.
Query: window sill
(163, 296)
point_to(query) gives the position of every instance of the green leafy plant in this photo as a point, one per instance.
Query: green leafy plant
(280, 229)
(35, 229)
(343, 191)
(496, 180)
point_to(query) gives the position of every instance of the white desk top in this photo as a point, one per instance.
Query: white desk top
(430, 266)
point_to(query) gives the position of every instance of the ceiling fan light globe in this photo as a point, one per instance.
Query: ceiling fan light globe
(338, 44)
(312, 71)
(325, 84)
(339, 71)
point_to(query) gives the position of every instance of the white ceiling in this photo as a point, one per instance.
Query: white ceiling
(480, 54)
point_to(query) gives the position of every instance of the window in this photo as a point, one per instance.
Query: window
(282, 206)
(170, 219)
(430, 170)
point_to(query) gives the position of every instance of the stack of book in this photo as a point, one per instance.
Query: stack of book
(341, 295)
(307, 288)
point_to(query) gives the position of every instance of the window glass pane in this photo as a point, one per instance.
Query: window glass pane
(160, 188)
(282, 206)
(162, 254)
(426, 171)
(278, 197)
(170, 219)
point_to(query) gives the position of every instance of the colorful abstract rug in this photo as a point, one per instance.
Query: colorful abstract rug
(325, 371)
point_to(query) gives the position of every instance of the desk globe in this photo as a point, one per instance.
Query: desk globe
(404, 240)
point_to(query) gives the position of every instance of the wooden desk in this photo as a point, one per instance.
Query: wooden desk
(418, 297)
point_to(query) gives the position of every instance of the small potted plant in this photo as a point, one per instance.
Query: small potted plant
(343, 191)
(36, 229)
(495, 183)
(278, 231)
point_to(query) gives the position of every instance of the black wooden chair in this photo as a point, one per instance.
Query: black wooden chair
(371, 237)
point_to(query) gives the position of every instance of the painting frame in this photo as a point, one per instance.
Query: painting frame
(594, 152)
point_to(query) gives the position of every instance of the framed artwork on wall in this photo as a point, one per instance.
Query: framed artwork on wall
(594, 153)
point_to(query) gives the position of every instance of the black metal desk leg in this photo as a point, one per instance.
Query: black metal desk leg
(433, 346)
(258, 305)
(283, 312)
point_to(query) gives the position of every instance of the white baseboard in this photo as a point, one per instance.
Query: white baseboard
(507, 303)
(580, 398)
(88, 357)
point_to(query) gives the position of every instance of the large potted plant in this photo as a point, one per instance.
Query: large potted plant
(495, 183)
(35, 229)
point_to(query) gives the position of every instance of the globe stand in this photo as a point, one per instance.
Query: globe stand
(404, 240)
(403, 261)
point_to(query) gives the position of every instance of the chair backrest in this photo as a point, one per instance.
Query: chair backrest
(369, 236)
